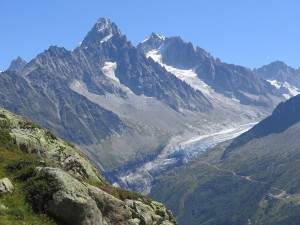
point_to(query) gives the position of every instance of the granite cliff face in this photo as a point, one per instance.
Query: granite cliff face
(60, 181)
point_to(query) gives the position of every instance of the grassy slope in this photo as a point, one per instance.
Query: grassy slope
(18, 210)
(26, 204)
(258, 183)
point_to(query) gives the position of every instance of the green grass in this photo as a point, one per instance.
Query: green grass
(18, 167)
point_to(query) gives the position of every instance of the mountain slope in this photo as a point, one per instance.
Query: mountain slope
(285, 115)
(54, 178)
(241, 182)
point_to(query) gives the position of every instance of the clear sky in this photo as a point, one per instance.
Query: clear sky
(251, 33)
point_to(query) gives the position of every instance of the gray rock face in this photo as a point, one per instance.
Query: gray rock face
(17, 64)
(6, 186)
(79, 203)
(237, 81)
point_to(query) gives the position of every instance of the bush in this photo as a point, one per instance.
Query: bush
(23, 169)
(39, 190)
(6, 141)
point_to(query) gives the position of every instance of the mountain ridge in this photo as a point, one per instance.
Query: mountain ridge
(227, 79)
(105, 94)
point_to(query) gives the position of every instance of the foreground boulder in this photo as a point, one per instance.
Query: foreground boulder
(79, 203)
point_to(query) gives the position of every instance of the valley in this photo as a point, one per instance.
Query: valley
(140, 177)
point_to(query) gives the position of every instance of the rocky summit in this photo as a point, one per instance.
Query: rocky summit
(17, 64)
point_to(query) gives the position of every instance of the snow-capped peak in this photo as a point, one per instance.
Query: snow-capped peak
(103, 31)
(106, 27)
(103, 24)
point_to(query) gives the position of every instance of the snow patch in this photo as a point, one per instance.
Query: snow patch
(275, 83)
(188, 76)
(291, 90)
(105, 39)
(109, 69)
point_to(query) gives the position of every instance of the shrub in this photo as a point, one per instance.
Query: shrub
(6, 141)
(22, 169)
(39, 190)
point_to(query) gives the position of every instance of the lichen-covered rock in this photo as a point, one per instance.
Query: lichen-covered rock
(78, 203)
(35, 140)
(6, 186)
(60, 192)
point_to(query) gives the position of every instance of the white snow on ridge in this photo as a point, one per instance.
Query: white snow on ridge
(109, 69)
(189, 76)
(292, 90)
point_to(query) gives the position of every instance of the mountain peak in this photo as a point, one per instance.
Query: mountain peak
(153, 42)
(104, 24)
(102, 32)
(17, 64)
(154, 37)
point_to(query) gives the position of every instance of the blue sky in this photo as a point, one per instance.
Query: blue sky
(245, 32)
